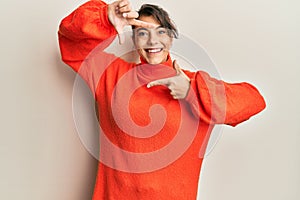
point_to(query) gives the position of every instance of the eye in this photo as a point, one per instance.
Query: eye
(162, 31)
(142, 33)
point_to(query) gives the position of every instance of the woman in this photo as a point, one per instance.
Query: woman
(155, 117)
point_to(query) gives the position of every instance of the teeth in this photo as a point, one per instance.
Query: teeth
(154, 50)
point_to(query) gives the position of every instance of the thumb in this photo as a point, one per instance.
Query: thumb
(179, 70)
(121, 37)
(176, 67)
(112, 16)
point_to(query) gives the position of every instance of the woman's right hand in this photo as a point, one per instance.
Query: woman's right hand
(120, 14)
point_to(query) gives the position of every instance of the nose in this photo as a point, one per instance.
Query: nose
(153, 39)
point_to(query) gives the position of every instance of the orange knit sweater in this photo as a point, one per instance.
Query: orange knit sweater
(151, 146)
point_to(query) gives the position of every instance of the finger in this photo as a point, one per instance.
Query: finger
(136, 22)
(122, 6)
(130, 15)
(164, 81)
(115, 3)
(114, 6)
(123, 3)
(173, 93)
(179, 70)
(124, 9)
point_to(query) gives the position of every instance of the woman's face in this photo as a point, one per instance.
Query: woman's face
(152, 44)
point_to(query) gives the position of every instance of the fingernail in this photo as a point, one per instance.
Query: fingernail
(124, 14)
(148, 85)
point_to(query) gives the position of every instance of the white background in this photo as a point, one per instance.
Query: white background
(256, 41)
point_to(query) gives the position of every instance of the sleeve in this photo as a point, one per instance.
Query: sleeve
(86, 31)
(215, 101)
(83, 30)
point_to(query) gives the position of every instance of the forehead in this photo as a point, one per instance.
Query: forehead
(149, 19)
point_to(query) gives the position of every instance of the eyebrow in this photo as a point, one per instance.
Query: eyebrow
(142, 28)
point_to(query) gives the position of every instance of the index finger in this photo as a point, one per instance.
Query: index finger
(164, 81)
(136, 22)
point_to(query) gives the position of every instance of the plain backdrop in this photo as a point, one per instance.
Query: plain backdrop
(42, 156)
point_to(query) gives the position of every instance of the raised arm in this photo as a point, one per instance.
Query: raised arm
(218, 102)
(83, 30)
(91, 24)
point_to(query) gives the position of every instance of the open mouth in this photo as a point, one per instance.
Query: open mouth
(153, 50)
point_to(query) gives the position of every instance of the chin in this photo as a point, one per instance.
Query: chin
(154, 62)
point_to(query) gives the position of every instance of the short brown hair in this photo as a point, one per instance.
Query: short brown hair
(160, 15)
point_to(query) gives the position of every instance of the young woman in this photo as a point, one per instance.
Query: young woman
(155, 118)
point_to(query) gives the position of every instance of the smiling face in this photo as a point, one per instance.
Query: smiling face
(152, 44)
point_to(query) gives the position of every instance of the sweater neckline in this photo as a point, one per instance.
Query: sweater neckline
(154, 72)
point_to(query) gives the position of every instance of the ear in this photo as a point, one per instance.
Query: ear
(133, 39)
(172, 39)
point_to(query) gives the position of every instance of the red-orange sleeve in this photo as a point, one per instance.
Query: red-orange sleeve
(83, 30)
(215, 101)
